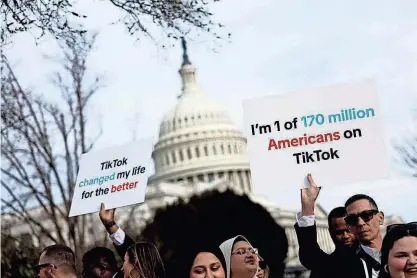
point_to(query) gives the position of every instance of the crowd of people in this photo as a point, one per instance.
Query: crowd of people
(361, 250)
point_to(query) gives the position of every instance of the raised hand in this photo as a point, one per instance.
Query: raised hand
(106, 216)
(309, 196)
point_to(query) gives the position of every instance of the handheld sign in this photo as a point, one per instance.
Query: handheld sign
(115, 176)
(332, 132)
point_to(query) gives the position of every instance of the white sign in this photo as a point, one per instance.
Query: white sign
(334, 133)
(116, 177)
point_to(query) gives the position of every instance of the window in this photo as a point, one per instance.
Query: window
(229, 149)
(166, 159)
(197, 152)
(174, 158)
(210, 177)
(221, 174)
(205, 151)
(236, 149)
(190, 179)
(189, 153)
(222, 148)
(200, 177)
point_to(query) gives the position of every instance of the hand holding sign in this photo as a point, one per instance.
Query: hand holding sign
(309, 196)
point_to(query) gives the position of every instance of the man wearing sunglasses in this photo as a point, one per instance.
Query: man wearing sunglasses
(56, 261)
(364, 220)
(321, 264)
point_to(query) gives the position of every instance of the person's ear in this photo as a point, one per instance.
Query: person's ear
(381, 218)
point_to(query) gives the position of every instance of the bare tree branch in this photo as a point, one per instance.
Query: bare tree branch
(407, 150)
(60, 19)
(41, 145)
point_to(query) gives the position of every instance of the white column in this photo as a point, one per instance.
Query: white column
(245, 181)
(236, 179)
(249, 180)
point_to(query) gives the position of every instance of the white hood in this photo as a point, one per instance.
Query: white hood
(226, 248)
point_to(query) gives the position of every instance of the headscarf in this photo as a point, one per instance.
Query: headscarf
(192, 254)
(226, 247)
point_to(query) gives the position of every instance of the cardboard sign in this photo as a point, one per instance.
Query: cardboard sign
(334, 133)
(116, 177)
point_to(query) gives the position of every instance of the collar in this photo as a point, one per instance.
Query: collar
(372, 252)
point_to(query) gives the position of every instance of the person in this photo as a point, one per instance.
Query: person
(120, 239)
(311, 255)
(263, 269)
(142, 260)
(399, 251)
(241, 258)
(205, 261)
(364, 220)
(99, 262)
(56, 261)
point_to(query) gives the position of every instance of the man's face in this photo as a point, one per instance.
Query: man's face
(340, 233)
(102, 269)
(366, 229)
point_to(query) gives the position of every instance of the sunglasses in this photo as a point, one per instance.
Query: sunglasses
(409, 227)
(366, 215)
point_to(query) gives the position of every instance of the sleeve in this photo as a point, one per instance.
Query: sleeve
(310, 254)
(305, 221)
(118, 237)
(121, 242)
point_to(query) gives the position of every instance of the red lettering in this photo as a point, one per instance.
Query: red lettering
(294, 142)
(272, 144)
(124, 186)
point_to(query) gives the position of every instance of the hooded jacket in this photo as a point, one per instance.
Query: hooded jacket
(226, 247)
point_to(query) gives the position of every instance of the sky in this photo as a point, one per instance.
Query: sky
(276, 47)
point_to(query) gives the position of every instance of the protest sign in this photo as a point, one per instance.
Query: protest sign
(115, 176)
(333, 132)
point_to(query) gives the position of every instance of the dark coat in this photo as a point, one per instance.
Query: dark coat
(343, 262)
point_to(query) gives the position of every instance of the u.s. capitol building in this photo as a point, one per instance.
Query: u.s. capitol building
(200, 149)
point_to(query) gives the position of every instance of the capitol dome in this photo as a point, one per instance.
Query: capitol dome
(198, 141)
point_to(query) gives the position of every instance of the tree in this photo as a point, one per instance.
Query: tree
(17, 257)
(212, 218)
(41, 145)
(59, 17)
(407, 150)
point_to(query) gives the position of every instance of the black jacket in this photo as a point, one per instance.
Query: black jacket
(121, 250)
(343, 262)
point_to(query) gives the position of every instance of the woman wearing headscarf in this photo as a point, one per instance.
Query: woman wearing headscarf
(241, 258)
(399, 251)
(142, 260)
(205, 262)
